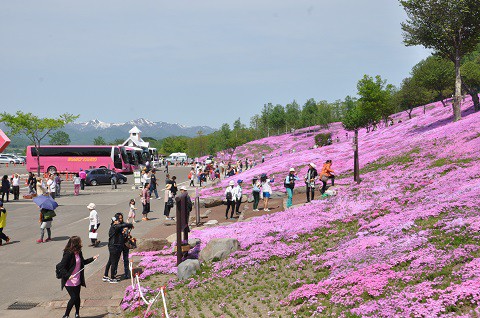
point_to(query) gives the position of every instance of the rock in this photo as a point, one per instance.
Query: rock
(187, 268)
(211, 223)
(250, 199)
(277, 195)
(151, 244)
(244, 198)
(193, 242)
(205, 214)
(211, 202)
(301, 189)
(219, 249)
(171, 238)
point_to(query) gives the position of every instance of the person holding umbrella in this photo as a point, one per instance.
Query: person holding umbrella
(47, 206)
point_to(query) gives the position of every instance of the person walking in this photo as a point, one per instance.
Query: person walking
(154, 184)
(237, 196)
(94, 225)
(167, 163)
(146, 201)
(327, 173)
(32, 183)
(76, 184)
(83, 176)
(51, 186)
(3, 223)
(116, 241)
(174, 188)
(16, 187)
(290, 185)
(71, 272)
(46, 219)
(131, 212)
(191, 177)
(230, 199)
(266, 190)
(113, 179)
(168, 198)
(125, 249)
(256, 193)
(5, 188)
(310, 179)
(58, 183)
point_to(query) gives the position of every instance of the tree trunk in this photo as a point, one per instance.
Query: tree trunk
(356, 164)
(37, 148)
(457, 99)
(476, 101)
(409, 112)
(443, 101)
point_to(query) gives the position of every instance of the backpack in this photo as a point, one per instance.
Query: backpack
(288, 183)
(58, 270)
(229, 196)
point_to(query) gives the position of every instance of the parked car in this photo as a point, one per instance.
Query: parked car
(102, 176)
(7, 159)
(15, 158)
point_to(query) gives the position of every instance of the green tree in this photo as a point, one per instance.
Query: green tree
(471, 77)
(278, 118)
(99, 140)
(324, 114)
(60, 138)
(354, 119)
(309, 113)
(375, 99)
(410, 95)
(293, 115)
(34, 128)
(450, 27)
(435, 74)
(265, 118)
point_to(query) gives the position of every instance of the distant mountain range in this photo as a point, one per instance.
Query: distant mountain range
(83, 133)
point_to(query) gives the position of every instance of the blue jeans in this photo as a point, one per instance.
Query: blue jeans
(154, 190)
(289, 197)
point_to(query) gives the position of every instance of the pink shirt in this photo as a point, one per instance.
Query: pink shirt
(75, 281)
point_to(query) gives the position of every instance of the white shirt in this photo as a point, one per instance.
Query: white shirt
(51, 185)
(15, 182)
(237, 193)
(230, 189)
(93, 219)
(266, 186)
(76, 180)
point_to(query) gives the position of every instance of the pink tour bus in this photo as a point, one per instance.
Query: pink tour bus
(65, 159)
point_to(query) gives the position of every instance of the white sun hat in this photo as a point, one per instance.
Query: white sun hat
(91, 206)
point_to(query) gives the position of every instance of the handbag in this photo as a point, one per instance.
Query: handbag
(170, 202)
(49, 214)
(92, 235)
(324, 178)
(130, 242)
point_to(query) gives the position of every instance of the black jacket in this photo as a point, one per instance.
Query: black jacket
(67, 265)
(116, 239)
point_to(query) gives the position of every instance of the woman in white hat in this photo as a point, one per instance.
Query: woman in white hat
(230, 199)
(94, 225)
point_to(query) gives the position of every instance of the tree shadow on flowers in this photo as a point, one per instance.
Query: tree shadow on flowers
(443, 122)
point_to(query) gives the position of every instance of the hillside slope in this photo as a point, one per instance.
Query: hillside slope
(404, 242)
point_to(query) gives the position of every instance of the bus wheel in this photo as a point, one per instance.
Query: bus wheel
(93, 182)
(52, 170)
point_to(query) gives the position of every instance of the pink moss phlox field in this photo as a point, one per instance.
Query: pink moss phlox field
(411, 243)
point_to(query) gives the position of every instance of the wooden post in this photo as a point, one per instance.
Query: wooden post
(179, 232)
(356, 164)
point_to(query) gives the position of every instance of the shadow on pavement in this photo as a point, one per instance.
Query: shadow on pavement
(60, 238)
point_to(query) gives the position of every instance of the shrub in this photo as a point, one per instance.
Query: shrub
(323, 139)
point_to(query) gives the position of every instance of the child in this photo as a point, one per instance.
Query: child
(3, 222)
(131, 213)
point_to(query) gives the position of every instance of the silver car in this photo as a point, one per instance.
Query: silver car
(6, 159)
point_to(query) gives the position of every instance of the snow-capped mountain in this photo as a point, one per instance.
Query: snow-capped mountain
(85, 132)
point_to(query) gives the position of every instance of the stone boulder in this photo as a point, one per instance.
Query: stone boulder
(211, 223)
(187, 268)
(211, 202)
(250, 199)
(219, 249)
(277, 195)
(151, 244)
(193, 242)
(205, 214)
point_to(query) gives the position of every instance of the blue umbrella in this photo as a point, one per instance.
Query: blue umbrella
(45, 202)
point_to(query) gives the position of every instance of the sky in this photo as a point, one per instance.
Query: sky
(193, 62)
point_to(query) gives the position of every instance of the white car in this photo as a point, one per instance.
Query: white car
(6, 159)
(15, 158)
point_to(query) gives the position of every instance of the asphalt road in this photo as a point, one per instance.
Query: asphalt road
(27, 269)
